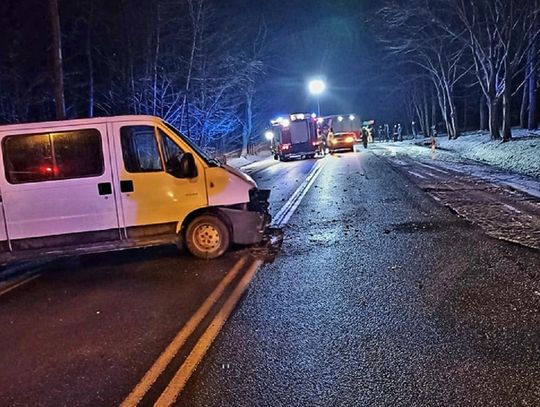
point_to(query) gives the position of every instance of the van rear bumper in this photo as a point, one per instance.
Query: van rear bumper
(247, 227)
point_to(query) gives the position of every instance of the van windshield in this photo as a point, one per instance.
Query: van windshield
(210, 161)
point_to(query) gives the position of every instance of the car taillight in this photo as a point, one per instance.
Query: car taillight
(285, 146)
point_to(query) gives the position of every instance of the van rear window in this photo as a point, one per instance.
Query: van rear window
(53, 156)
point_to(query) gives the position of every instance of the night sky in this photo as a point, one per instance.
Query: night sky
(322, 38)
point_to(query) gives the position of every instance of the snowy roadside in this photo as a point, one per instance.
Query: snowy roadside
(445, 159)
(252, 163)
(520, 155)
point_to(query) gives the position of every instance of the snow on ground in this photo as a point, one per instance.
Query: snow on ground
(520, 155)
(250, 162)
(515, 164)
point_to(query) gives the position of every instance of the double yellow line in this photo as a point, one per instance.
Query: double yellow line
(178, 382)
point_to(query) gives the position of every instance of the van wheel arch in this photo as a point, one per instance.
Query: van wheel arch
(197, 213)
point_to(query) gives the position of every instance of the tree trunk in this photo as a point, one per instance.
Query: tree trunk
(58, 73)
(533, 97)
(493, 113)
(523, 111)
(452, 115)
(195, 21)
(433, 109)
(156, 60)
(465, 113)
(483, 115)
(249, 123)
(507, 107)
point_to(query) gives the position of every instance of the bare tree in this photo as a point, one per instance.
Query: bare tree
(496, 32)
(413, 35)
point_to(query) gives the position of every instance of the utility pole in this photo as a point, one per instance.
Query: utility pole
(58, 73)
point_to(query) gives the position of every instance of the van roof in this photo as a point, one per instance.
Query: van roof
(76, 122)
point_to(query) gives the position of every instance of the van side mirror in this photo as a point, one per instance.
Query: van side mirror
(187, 168)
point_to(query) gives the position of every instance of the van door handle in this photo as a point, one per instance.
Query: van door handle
(105, 188)
(126, 186)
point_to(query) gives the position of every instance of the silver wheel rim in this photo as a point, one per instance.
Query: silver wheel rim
(206, 237)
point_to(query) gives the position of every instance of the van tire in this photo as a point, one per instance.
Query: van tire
(207, 237)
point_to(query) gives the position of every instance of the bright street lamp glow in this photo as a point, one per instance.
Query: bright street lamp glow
(316, 87)
(340, 118)
(351, 117)
(269, 135)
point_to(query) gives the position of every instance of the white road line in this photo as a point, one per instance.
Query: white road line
(170, 352)
(416, 174)
(285, 213)
(177, 384)
(18, 284)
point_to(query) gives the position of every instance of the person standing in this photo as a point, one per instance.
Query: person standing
(400, 132)
(365, 136)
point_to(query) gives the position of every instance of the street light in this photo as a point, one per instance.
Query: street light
(316, 87)
(269, 135)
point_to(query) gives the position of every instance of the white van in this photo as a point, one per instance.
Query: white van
(101, 184)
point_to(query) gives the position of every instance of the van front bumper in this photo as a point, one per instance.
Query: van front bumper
(249, 226)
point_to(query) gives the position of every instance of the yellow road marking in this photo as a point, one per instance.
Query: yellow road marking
(172, 349)
(16, 285)
(177, 384)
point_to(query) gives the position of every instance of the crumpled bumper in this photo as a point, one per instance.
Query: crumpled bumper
(249, 226)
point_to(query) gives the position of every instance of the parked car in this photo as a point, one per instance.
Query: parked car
(342, 141)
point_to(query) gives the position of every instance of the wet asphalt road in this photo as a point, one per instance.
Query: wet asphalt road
(379, 296)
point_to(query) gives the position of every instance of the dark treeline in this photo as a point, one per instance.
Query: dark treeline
(184, 60)
(465, 63)
(219, 70)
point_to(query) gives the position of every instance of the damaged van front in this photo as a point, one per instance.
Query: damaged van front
(112, 183)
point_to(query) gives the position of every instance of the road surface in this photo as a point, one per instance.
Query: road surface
(380, 294)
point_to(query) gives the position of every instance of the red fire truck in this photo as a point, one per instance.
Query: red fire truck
(295, 137)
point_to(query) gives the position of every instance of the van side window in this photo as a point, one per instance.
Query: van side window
(54, 156)
(140, 149)
(77, 154)
(172, 153)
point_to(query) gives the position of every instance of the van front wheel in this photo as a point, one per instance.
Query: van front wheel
(207, 237)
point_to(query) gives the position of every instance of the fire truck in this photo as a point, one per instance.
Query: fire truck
(295, 137)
